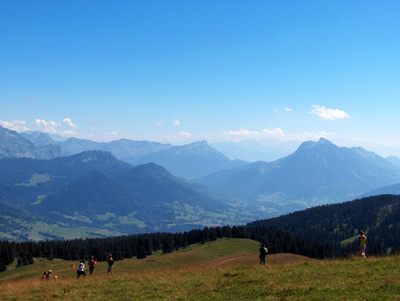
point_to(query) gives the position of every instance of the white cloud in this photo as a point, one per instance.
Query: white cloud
(159, 123)
(310, 136)
(176, 122)
(178, 137)
(257, 135)
(288, 109)
(111, 134)
(6, 124)
(277, 133)
(69, 133)
(19, 122)
(15, 125)
(185, 134)
(46, 127)
(328, 114)
(70, 123)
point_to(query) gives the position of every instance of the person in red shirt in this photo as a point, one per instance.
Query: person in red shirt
(92, 263)
(110, 261)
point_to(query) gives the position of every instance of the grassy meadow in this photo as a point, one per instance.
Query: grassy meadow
(226, 269)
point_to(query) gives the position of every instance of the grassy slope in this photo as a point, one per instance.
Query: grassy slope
(220, 270)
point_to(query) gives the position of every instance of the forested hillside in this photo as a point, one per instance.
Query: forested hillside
(339, 224)
(277, 241)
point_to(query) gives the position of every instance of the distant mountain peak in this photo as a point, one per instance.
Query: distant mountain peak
(38, 138)
(14, 145)
(94, 155)
(307, 145)
(197, 144)
(323, 141)
(7, 132)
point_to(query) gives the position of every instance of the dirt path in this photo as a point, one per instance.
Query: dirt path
(249, 259)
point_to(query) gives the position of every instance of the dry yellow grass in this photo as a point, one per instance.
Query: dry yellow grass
(202, 272)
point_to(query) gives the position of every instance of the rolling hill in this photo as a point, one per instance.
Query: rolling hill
(218, 270)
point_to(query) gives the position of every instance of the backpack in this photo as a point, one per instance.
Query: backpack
(263, 252)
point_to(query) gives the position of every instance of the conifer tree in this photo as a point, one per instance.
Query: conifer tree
(3, 266)
(141, 252)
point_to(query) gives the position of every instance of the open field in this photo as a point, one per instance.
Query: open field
(226, 269)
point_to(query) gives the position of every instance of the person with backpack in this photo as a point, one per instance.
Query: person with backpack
(263, 254)
(110, 262)
(81, 269)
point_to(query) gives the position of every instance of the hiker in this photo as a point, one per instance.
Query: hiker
(81, 269)
(48, 275)
(92, 263)
(263, 254)
(43, 276)
(362, 244)
(110, 261)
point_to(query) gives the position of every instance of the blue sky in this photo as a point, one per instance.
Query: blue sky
(183, 71)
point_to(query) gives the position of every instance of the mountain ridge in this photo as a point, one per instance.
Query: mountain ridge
(190, 160)
(13, 145)
(319, 172)
(95, 189)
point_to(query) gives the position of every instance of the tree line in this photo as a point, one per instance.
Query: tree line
(142, 245)
(339, 224)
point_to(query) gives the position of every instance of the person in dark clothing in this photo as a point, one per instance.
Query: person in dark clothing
(263, 254)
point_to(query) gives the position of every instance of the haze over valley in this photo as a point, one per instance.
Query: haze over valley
(127, 186)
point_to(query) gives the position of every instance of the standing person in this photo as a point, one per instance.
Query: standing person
(263, 254)
(81, 269)
(110, 261)
(92, 263)
(362, 244)
(48, 275)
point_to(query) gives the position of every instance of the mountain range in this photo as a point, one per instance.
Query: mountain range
(316, 173)
(190, 161)
(14, 145)
(151, 186)
(94, 189)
